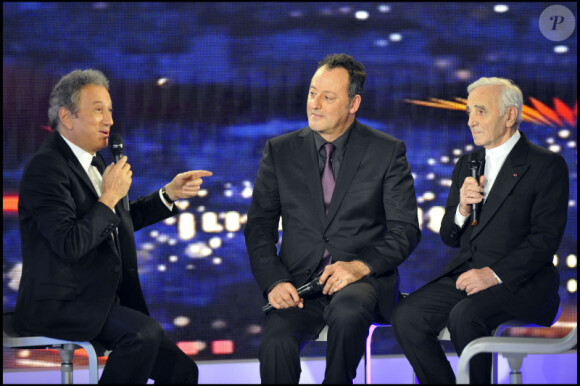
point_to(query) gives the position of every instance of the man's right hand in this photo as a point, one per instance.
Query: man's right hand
(285, 295)
(116, 182)
(470, 193)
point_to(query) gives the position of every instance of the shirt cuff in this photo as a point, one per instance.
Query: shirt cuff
(168, 205)
(496, 277)
(459, 218)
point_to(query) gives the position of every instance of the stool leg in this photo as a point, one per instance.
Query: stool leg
(66, 367)
(515, 363)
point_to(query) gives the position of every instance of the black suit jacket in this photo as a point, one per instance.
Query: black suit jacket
(372, 216)
(519, 230)
(72, 269)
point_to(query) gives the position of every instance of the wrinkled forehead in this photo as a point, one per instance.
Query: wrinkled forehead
(330, 79)
(486, 96)
(92, 93)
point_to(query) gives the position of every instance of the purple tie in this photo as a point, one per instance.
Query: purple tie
(327, 189)
(327, 176)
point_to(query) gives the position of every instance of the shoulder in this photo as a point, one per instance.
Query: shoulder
(47, 159)
(375, 135)
(540, 155)
(292, 136)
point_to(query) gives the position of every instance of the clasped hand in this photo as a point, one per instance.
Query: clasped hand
(476, 280)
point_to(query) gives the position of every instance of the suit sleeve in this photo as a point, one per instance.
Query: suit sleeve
(148, 210)
(400, 207)
(261, 230)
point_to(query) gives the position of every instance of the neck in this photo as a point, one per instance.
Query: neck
(330, 137)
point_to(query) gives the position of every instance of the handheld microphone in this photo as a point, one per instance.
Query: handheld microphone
(475, 171)
(116, 147)
(306, 289)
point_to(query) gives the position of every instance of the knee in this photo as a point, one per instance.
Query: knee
(465, 316)
(402, 317)
(149, 334)
(348, 316)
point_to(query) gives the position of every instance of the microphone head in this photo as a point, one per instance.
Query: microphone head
(116, 144)
(473, 164)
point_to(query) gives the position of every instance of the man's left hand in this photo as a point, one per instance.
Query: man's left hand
(187, 184)
(340, 274)
(476, 280)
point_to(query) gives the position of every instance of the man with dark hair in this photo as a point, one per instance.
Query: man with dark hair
(347, 201)
(504, 268)
(79, 260)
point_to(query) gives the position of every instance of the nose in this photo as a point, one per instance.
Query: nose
(471, 121)
(315, 102)
(108, 118)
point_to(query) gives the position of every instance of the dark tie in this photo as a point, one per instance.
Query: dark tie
(327, 190)
(99, 164)
(327, 176)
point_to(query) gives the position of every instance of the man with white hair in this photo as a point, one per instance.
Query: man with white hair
(504, 268)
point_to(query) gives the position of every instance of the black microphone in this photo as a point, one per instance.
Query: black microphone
(475, 167)
(306, 289)
(116, 146)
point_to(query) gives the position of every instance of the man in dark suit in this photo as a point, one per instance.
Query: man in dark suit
(504, 268)
(355, 208)
(79, 273)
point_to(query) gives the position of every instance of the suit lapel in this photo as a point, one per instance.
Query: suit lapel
(309, 162)
(76, 167)
(510, 174)
(355, 150)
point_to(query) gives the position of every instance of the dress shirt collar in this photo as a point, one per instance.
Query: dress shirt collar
(339, 143)
(84, 157)
(503, 150)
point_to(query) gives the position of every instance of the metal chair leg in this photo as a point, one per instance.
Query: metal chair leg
(66, 367)
(515, 363)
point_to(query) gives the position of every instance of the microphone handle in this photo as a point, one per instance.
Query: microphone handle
(124, 200)
(475, 214)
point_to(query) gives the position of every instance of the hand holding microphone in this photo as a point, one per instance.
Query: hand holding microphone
(307, 289)
(471, 192)
(116, 178)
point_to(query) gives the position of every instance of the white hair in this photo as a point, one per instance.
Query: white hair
(510, 95)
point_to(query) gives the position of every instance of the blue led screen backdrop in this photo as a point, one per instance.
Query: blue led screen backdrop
(204, 85)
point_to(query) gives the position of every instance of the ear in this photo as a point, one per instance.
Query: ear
(511, 116)
(355, 104)
(65, 117)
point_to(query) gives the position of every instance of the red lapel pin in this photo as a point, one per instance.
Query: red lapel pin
(515, 174)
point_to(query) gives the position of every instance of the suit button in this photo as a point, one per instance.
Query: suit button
(308, 272)
(325, 239)
(473, 248)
